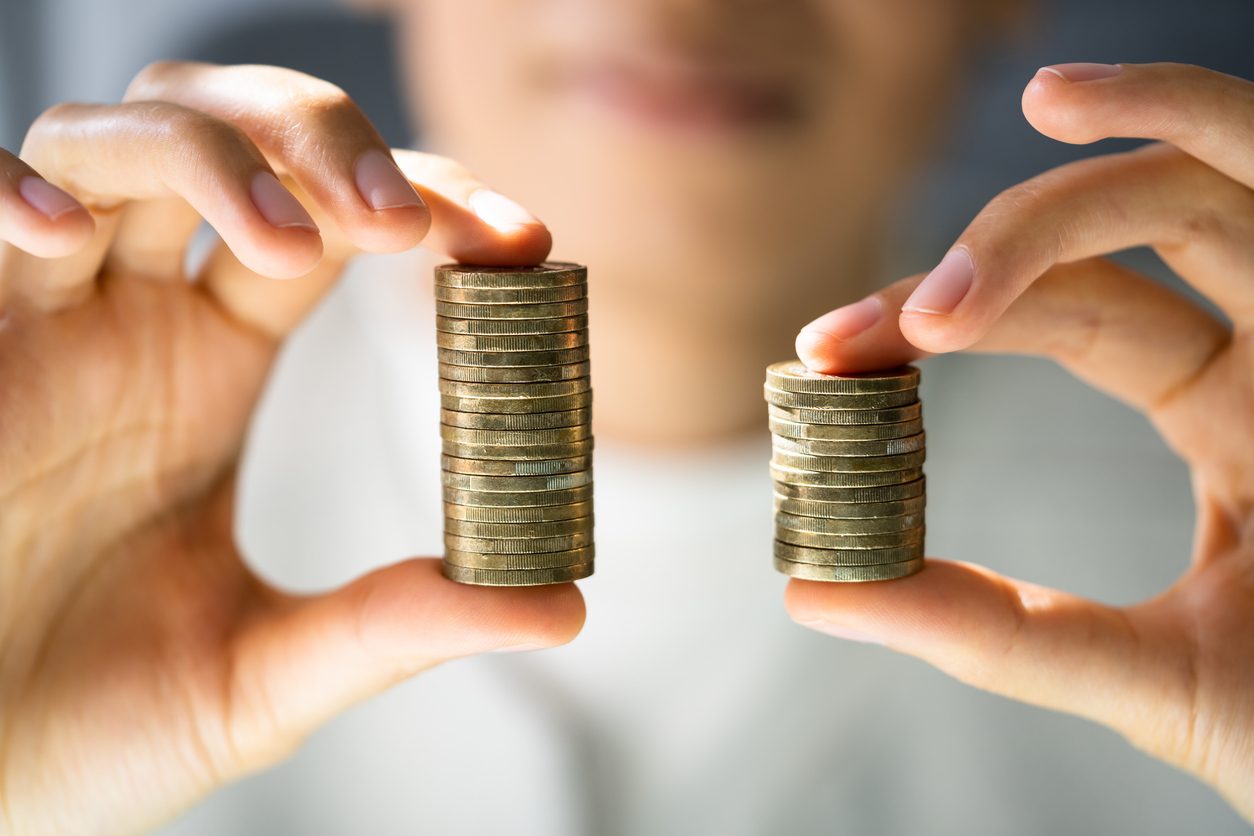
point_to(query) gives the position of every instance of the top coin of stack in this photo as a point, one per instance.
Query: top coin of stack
(847, 460)
(515, 419)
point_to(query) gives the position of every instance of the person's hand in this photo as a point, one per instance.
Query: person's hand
(141, 662)
(1175, 674)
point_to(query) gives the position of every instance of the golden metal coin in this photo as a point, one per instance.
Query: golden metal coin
(559, 325)
(514, 499)
(504, 467)
(823, 447)
(519, 514)
(510, 295)
(580, 540)
(809, 400)
(508, 530)
(841, 479)
(844, 432)
(494, 359)
(544, 389)
(517, 562)
(516, 374)
(547, 310)
(821, 556)
(517, 406)
(853, 494)
(847, 525)
(847, 416)
(517, 438)
(521, 577)
(516, 484)
(518, 421)
(529, 452)
(793, 376)
(913, 506)
(849, 574)
(849, 542)
(848, 464)
(512, 342)
(548, 274)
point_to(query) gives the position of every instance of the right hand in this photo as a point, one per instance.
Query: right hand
(141, 663)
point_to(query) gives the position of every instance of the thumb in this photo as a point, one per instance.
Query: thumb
(306, 659)
(1041, 646)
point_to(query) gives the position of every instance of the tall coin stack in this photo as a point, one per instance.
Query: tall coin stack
(515, 418)
(847, 460)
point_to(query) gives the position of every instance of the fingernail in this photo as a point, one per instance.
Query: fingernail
(1082, 71)
(277, 205)
(943, 288)
(45, 198)
(381, 184)
(518, 648)
(499, 211)
(840, 631)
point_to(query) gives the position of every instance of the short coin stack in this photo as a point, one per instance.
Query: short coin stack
(847, 460)
(515, 418)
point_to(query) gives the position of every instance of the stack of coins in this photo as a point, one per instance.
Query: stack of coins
(515, 418)
(847, 460)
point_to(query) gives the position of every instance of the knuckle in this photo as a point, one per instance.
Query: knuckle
(197, 135)
(50, 122)
(145, 81)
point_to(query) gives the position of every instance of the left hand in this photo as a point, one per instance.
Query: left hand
(1174, 674)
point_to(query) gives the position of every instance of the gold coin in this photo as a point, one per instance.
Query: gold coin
(822, 556)
(514, 499)
(510, 295)
(507, 530)
(512, 342)
(820, 447)
(522, 577)
(844, 432)
(517, 406)
(547, 310)
(847, 526)
(517, 374)
(810, 400)
(517, 438)
(793, 376)
(850, 510)
(504, 467)
(841, 479)
(516, 484)
(853, 494)
(494, 359)
(519, 562)
(518, 421)
(848, 464)
(847, 416)
(543, 389)
(517, 545)
(529, 452)
(517, 514)
(851, 543)
(559, 325)
(548, 274)
(849, 574)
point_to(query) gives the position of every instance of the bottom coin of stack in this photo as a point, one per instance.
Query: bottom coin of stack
(847, 462)
(516, 407)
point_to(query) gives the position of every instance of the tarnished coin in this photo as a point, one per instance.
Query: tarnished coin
(848, 464)
(518, 514)
(520, 406)
(841, 479)
(511, 499)
(853, 494)
(522, 577)
(849, 574)
(910, 507)
(510, 295)
(847, 416)
(848, 525)
(847, 557)
(493, 359)
(844, 432)
(559, 325)
(516, 374)
(517, 421)
(469, 559)
(547, 310)
(504, 467)
(517, 452)
(512, 342)
(517, 438)
(516, 484)
(849, 542)
(822, 447)
(518, 545)
(793, 376)
(548, 528)
(809, 400)
(544, 389)
(548, 274)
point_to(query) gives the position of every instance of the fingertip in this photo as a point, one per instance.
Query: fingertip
(1053, 103)
(812, 348)
(46, 222)
(521, 245)
(282, 253)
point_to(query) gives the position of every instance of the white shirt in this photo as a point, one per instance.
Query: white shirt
(690, 703)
